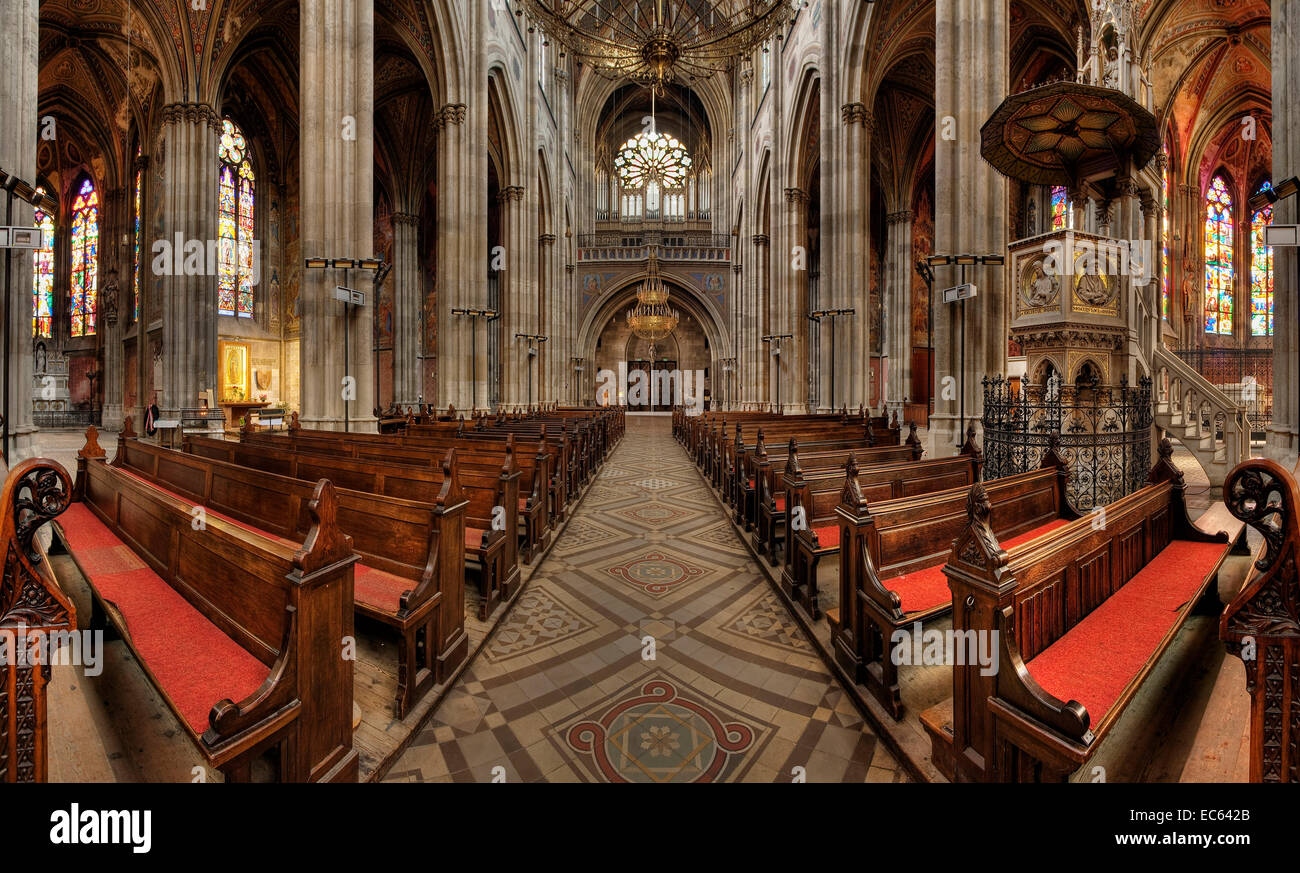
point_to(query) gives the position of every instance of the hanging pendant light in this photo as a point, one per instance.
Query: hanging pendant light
(651, 318)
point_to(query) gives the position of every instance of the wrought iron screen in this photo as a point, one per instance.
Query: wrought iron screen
(1105, 434)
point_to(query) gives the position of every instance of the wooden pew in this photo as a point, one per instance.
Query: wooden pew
(532, 470)
(1262, 623)
(1047, 606)
(706, 434)
(411, 573)
(821, 463)
(34, 613)
(563, 454)
(242, 634)
(817, 494)
(485, 546)
(752, 468)
(892, 554)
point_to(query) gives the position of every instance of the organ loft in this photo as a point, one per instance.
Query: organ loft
(650, 391)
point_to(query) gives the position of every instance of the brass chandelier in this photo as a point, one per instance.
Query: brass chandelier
(651, 318)
(654, 42)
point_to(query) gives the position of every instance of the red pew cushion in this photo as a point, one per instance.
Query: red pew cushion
(921, 589)
(779, 500)
(473, 537)
(1097, 658)
(195, 663)
(828, 536)
(928, 587)
(380, 589)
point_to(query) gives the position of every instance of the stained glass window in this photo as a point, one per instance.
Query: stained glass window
(85, 259)
(652, 157)
(43, 278)
(1218, 258)
(1261, 272)
(135, 280)
(1165, 295)
(1060, 208)
(234, 225)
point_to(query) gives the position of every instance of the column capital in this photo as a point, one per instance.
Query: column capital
(568, 268)
(1189, 190)
(546, 239)
(1162, 160)
(854, 113)
(451, 113)
(796, 195)
(761, 239)
(511, 192)
(405, 218)
(194, 113)
(898, 217)
(736, 268)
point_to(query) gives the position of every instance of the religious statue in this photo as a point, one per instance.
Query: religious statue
(108, 298)
(1039, 288)
(1110, 78)
(1092, 289)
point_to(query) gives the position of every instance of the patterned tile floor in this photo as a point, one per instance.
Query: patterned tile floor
(647, 648)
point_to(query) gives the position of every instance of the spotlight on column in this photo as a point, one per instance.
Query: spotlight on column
(316, 263)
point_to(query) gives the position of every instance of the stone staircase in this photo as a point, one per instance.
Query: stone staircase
(1193, 411)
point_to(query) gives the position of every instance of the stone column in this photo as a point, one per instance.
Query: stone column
(516, 307)
(760, 352)
(852, 276)
(549, 325)
(462, 250)
(740, 325)
(971, 75)
(18, 102)
(1150, 293)
(572, 377)
(793, 306)
(1283, 438)
(407, 305)
(189, 310)
(897, 319)
(338, 159)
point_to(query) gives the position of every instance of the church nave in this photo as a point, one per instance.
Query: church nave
(562, 690)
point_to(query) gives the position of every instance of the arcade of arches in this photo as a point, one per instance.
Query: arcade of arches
(212, 177)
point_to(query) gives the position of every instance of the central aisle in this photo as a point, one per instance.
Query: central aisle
(647, 648)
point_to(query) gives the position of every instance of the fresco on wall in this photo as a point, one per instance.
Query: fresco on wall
(922, 246)
(292, 256)
(593, 285)
(713, 286)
